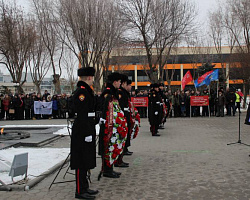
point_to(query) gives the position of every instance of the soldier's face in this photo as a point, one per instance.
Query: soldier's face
(117, 84)
(129, 87)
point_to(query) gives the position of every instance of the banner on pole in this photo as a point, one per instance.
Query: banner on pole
(199, 101)
(186, 79)
(140, 101)
(42, 108)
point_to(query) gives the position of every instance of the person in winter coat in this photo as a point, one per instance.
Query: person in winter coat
(220, 102)
(6, 104)
(27, 107)
(54, 107)
(231, 98)
(62, 107)
(83, 149)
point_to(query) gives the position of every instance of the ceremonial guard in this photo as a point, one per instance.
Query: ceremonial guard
(135, 119)
(83, 149)
(113, 127)
(124, 99)
(163, 105)
(154, 109)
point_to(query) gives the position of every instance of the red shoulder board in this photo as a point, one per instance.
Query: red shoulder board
(108, 88)
(82, 87)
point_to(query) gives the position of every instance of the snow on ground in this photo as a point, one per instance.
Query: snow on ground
(40, 160)
(64, 131)
(25, 126)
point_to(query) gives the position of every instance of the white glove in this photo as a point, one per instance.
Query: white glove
(102, 121)
(88, 138)
(156, 113)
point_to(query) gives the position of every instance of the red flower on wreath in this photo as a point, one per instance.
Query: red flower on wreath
(120, 115)
(118, 120)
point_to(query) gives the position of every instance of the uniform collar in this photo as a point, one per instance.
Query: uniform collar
(84, 84)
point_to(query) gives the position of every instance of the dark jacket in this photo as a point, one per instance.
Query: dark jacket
(27, 103)
(83, 154)
(154, 106)
(220, 101)
(124, 99)
(231, 98)
(63, 104)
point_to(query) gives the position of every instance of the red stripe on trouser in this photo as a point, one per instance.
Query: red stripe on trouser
(78, 182)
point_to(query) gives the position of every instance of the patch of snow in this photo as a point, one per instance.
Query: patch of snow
(40, 160)
(47, 126)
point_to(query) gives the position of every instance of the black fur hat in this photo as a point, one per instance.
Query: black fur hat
(161, 84)
(129, 82)
(155, 85)
(124, 78)
(87, 71)
(114, 77)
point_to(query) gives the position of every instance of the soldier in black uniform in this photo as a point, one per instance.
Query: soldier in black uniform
(163, 103)
(83, 150)
(109, 94)
(124, 98)
(154, 110)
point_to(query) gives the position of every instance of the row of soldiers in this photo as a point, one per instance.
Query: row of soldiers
(119, 123)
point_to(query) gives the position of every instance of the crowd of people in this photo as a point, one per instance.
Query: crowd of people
(21, 106)
(178, 102)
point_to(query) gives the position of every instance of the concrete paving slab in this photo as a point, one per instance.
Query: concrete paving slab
(190, 160)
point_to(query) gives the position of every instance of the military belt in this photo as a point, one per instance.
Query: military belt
(91, 114)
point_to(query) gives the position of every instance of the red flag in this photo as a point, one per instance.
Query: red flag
(186, 79)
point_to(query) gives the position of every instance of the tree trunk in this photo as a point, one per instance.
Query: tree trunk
(38, 89)
(56, 82)
(97, 86)
(19, 89)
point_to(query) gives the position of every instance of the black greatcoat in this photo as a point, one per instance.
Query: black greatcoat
(83, 154)
(124, 98)
(154, 100)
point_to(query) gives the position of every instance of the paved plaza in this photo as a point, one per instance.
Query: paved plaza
(191, 160)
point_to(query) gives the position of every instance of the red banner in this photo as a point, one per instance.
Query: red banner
(199, 101)
(140, 101)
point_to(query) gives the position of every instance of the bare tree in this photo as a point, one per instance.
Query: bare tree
(44, 11)
(217, 33)
(237, 22)
(91, 29)
(160, 24)
(38, 61)
(16, 38)
(69, 63)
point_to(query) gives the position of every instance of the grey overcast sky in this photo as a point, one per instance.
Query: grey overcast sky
(203, 8)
